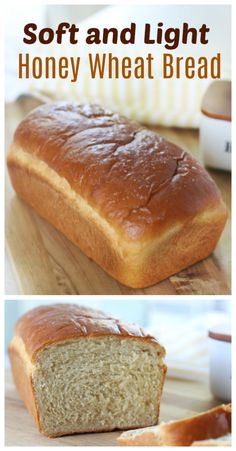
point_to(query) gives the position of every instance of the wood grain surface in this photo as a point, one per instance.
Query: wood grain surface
(46, 263)
(181, 398)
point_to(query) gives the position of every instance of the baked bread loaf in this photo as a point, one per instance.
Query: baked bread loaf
(138, 205)
(78, 370)
(208, 425)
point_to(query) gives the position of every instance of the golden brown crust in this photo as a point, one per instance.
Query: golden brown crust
(139, 206)
(208, 425)
(22, 376)
(135, 264)
(139, 182)
(50, 324)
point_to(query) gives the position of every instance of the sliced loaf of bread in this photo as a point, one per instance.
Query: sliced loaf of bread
(79, 370)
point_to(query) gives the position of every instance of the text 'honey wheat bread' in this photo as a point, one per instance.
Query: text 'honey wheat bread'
(187, 432)
(78, 370)
(138, 205)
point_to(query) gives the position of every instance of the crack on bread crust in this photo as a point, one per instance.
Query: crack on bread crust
(161, 186)
(119, 170)
(73, 321)
(124, 195)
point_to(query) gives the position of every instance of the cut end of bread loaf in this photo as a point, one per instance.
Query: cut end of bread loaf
(97, 385)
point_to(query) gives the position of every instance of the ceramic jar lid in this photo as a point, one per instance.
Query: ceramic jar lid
(221, 332)
(217, 100)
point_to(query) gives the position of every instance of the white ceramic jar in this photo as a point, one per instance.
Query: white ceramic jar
(220, 361)
(215, 125)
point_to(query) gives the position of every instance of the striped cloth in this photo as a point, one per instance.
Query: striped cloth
(169, 102)
(186, 342)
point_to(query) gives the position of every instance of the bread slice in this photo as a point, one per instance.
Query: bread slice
(78, 370)
(208, 425)
(138, 205)
(225, 440)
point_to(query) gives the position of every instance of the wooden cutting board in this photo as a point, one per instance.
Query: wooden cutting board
(45, 262)
(181, 398)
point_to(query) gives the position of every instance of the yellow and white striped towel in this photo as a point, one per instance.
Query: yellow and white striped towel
(170, 102)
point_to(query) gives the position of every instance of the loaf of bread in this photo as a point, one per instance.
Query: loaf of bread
(78, 370)
(138, 205)
(208, 425)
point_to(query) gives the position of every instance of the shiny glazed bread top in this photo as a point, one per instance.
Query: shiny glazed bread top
(136, 180)
(49, 324)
